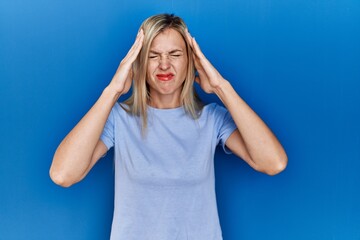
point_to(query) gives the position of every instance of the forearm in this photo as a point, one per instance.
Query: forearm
(73, 156)
(263, 147)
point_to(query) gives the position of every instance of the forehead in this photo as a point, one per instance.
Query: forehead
(167, 41)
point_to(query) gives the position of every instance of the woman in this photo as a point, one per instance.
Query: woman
(164, 138)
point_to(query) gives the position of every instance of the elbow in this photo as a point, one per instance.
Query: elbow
(278, 166)
(59, 179)
(275, 165)
(276, 169)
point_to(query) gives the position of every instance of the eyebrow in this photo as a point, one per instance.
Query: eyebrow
(171, 52)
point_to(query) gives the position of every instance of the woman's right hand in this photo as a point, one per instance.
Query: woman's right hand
(82, 147)
(122, 79)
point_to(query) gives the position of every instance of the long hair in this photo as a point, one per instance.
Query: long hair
(137, 102)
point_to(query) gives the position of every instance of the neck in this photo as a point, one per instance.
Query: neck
(164, 101)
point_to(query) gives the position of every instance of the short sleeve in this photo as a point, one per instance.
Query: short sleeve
(225, 126)
(107, 136)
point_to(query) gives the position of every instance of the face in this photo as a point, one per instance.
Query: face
(167, 66)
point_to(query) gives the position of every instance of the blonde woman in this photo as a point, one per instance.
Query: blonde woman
(164, 138)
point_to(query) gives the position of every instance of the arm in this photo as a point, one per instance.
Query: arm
(253, 141)
(82, 147)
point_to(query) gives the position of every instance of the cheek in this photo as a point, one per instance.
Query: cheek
(181, 65)
(181, 70)
(151, 68)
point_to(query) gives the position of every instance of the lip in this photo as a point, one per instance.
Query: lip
(165, 77)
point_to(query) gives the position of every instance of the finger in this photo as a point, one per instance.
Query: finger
(196, 61)
(138, 36)
(197, 49)
(138, 41)
(198, 64)
(189, 38)
(197, 79)
(135, 48)
(131, 74)
(203, 61)
(138, 45)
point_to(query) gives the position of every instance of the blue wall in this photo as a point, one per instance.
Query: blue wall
(296, 62)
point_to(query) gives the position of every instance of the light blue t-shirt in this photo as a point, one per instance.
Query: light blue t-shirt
(164, 180)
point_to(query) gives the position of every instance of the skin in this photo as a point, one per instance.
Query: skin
(253, 141)
(81, 148)
(167, 55)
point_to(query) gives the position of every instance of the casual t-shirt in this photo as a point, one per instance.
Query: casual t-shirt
(164, 177)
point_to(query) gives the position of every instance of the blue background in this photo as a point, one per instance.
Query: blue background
(296, 62)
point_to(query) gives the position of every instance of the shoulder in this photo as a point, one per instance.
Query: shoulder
(120, 108)
(120, 111)
(219, 114)
(214, 109)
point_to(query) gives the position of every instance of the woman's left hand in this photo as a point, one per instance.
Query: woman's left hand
(209, 78)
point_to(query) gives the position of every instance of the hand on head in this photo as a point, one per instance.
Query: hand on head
(122, 79)
(209, 78)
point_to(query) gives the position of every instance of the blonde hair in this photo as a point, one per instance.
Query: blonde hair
(137, 103)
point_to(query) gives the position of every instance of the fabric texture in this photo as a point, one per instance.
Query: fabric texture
(164, 179)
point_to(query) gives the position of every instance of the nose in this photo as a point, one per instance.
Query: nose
(164, 63)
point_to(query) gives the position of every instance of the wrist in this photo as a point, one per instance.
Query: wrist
(222, 87)
(111, 94)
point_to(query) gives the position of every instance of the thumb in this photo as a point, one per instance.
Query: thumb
(131, 74)
(197, 79)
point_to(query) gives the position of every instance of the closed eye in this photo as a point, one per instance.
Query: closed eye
(175, 56)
